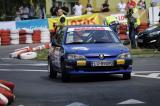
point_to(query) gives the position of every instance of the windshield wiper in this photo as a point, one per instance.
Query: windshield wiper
(75, 43)
(101, 42)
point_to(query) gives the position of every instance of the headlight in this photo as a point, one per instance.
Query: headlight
(75, 57)
(154, 33)
(124, 56)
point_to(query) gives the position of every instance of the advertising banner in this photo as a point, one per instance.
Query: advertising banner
(32, 24)
(153, 15)
(92, 19)
(51, 21)
(121, 17)
(11, 25)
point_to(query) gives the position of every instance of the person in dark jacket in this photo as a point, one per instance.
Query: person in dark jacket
(105, 6)
(65, 9)
(159, 16)
(54, 10)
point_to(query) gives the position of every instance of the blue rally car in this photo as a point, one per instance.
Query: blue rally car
(90, 49)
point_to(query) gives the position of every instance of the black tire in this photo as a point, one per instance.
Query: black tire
(158, 45)
(127, 76)
(65, 76)
(52, 72)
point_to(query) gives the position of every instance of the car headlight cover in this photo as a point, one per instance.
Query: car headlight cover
(124, 56)
(75, 57)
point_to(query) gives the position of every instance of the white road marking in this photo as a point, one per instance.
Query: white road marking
(130, 102)
(22, 70)
(153, 75)
(40, 64)
(6, 58)
(147, 74)
(146, 71)
(77, 104)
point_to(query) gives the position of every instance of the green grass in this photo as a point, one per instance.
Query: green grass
(143, 51)
(42, 55)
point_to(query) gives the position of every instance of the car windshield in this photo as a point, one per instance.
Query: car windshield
(90, 35)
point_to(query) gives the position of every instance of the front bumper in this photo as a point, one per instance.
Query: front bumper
(74, 67)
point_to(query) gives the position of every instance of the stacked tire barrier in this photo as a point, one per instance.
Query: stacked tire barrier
(6, 92)
(142, 27)
(45, 35)
(14, 35)
(5, 37)
(24, 36)
(36, 37)
(123, 32)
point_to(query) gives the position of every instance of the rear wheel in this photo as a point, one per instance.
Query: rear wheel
(52, 72)
(127, 76)
(65, 75)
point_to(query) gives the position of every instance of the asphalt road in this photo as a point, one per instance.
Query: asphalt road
(34, 88)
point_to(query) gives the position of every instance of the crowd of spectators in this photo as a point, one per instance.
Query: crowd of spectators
(27, 11)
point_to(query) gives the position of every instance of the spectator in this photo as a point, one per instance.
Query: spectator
(142, 4)
(105, 6)
(24, 11)
(65, 9)
(121, 6)
(54, 10)
(131, 4)
(31, 11)
(89, 9)
(42, 13)
(78, 8)
(18, 16)
(159, 16)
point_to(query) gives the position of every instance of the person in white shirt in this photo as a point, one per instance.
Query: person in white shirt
(89, 9)
(121, 6)
(78, 8)
(24, 11)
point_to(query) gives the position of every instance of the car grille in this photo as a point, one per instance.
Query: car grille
(99, 68)
(97, 57)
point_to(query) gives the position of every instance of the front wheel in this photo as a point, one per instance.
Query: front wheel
(127, 76)
(65, 75)
(52, 72)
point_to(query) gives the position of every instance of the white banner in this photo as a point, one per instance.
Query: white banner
(156, 1)
(8, 25)
(120, 17)
(153, 15)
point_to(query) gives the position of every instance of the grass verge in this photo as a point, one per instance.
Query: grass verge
(42, 55)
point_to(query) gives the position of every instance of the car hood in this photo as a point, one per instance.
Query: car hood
(108, 49)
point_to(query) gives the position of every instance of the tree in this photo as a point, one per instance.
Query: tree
(9, 7)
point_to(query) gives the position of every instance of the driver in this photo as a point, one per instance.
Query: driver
(78, 36)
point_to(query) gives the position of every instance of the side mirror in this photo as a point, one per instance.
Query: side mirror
(127, 42)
